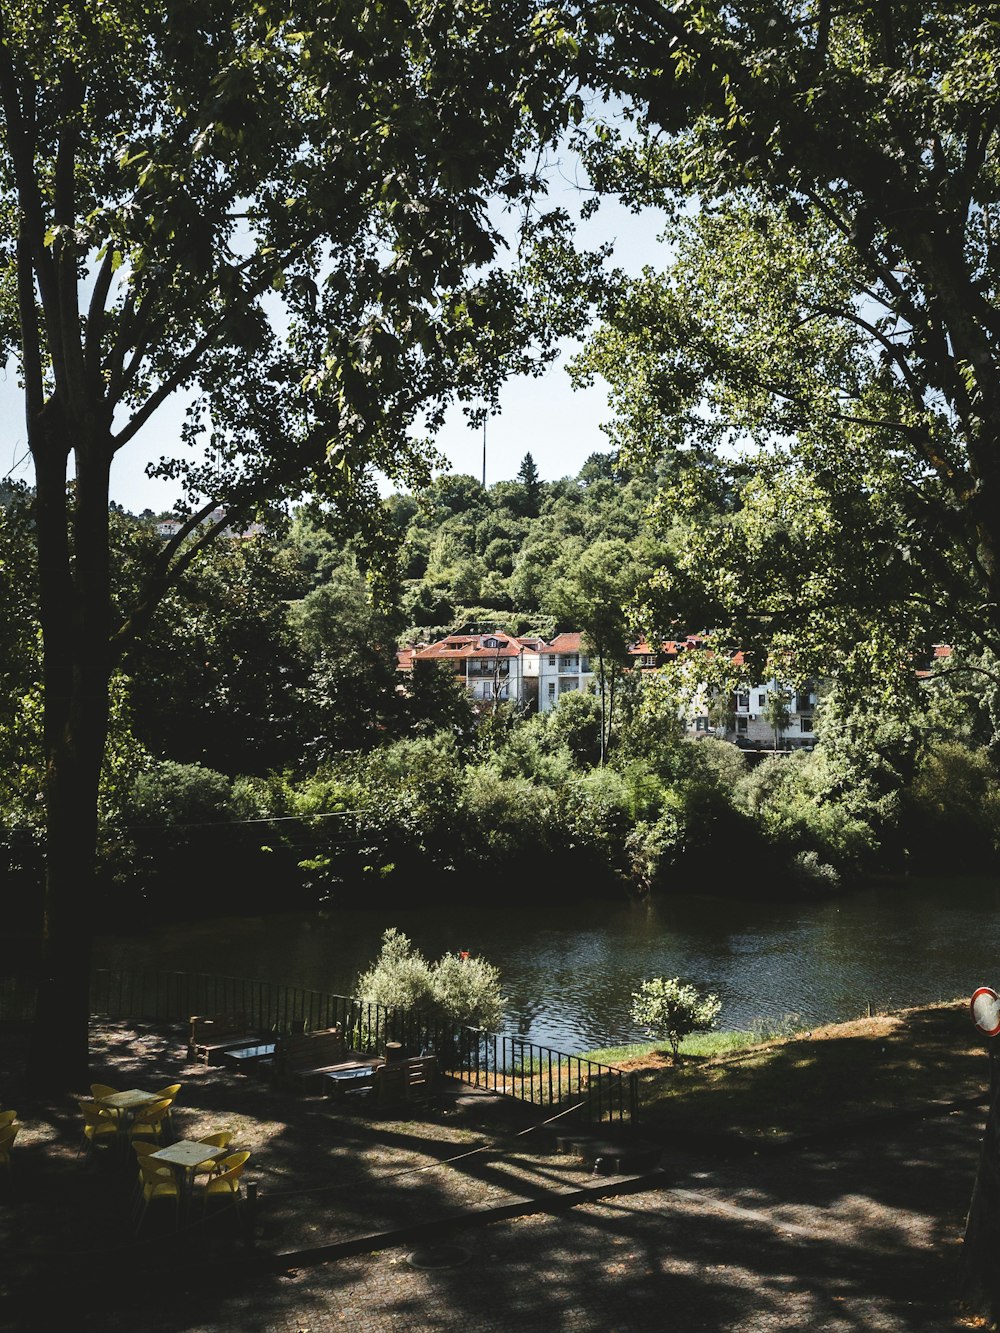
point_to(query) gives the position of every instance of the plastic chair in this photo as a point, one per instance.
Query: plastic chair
(221, 1139)
(7, 1137)
(99, 1125)
(157, 1183)
(226, 1185)
(170, 1092)
(148, 1123)
(99, 1090)
(7, 1118)
(142, 1149)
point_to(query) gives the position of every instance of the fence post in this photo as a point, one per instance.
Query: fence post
(633, 1097)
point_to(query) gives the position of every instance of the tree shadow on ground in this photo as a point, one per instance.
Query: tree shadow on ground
(858, 1235)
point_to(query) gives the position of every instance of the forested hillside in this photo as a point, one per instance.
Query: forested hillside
(263, 747)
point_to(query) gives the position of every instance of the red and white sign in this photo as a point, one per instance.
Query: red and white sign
(985, 1006)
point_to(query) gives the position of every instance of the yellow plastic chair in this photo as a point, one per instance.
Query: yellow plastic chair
(99, 1090)
(7, 1118)
(99, 1125)
(148, 1123)
(226, 1185)
(7, 1137)
(221, 1139)
(142, 1149)
(157, 1183)
(170, 1092)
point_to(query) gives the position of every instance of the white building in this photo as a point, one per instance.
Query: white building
(750, 724)
(560, 667)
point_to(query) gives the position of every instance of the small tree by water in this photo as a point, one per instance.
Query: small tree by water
(668, 1009)
(458, 988)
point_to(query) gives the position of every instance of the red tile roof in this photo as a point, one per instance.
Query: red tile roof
(472, 645)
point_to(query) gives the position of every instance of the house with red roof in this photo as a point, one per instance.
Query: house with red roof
(497, 667)
(490, 665)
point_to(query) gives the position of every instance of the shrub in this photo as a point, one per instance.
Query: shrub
(462, 989)
(668, 1009)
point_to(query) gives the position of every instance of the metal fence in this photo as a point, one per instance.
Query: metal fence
(506, 1065)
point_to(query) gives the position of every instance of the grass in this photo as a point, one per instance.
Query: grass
(703, 1045)
(815, 1081)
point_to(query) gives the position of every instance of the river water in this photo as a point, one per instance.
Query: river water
(569, 972)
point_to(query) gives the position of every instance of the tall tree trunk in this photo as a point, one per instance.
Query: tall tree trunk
(74, 602)
(604, 742)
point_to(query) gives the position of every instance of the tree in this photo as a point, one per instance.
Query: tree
(671, 1011)
(527, 475)
(350, 698)
(830, 177)
(218, 677)
(271, 209)
(777, 710)
(594, 596)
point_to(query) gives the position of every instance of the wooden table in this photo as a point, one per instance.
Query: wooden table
(349, 1075)
(241, 1056)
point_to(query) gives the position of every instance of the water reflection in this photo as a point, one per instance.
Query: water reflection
(570, 972)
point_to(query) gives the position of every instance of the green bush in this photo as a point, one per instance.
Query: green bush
(454, 989)
(670, 1010)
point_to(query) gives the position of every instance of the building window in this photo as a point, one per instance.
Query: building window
(552, 689)
(552, 659)
(584, 664)
(741, 726)
(761, 700)
(806, 723)
(743, 701)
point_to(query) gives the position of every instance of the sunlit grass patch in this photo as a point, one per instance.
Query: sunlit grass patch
(703, 1045)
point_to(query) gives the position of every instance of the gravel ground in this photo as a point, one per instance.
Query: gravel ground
(459, 1219)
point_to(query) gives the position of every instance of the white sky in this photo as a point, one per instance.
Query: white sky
(560, 427)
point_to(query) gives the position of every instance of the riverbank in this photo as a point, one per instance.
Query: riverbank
(821, 1081)
(735, 1229)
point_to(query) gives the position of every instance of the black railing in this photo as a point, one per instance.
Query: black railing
(508, 1065)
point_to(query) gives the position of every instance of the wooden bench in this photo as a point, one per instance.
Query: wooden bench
(209, 1037)
(305, 1057)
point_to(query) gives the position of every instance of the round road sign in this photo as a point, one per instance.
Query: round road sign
(985, 1006)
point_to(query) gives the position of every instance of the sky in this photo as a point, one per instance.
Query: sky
(559, 426)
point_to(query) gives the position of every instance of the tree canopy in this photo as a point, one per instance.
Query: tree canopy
(818, 354)
(282, 213)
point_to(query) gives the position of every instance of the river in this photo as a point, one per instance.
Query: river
(569, 972)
